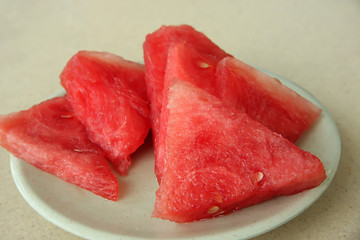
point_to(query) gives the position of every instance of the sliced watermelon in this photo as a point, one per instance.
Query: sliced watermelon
(108, 94)
(218, 159)
(190, 65)
(185, 63)
(156, 50)
(264, 98)
(51, 138)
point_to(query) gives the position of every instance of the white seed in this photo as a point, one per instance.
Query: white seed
(213, 209)
(78, 150)
(221, 212)
(259, 176)
(204, 65)
(66, 116)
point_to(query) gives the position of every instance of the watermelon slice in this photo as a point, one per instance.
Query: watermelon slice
(264, 98)
(108, 94)
(185, 63)
(218, 159)
(156, 50)
(51, 138)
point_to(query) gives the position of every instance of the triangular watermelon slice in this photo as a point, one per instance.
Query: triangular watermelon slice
(185, 63)
(218, 159)
(264, 98)
(51, 138)
(108, 94)
(156, 57)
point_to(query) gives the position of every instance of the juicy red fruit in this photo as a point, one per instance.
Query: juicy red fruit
(108, 94)
(218, 159)
(156, 57)
(185, 63)
(264, 98)
(51, 138)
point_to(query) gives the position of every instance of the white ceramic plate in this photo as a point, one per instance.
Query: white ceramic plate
(89, 216)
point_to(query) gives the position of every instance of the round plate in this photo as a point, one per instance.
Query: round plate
(92, 217)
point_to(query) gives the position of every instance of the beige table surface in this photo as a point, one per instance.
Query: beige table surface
(314, 43)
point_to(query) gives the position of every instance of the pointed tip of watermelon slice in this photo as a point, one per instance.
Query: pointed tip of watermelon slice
(122, 166)
(264, 98)
(49, 138)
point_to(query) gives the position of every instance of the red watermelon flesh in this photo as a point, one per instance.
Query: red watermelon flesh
(185, 63)
(108, 94)
(156, 50)
(264, 98)
(190, 65)
(51, 138)
(218, 159)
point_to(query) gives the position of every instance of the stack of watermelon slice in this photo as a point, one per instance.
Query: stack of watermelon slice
(223, 131)
(104, 115)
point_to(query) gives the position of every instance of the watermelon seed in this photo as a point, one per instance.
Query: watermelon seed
(259, 176)
(204, 65)
(213, 209)
(221, 212)
(66, 116)
(277, 80)
(78, 150)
